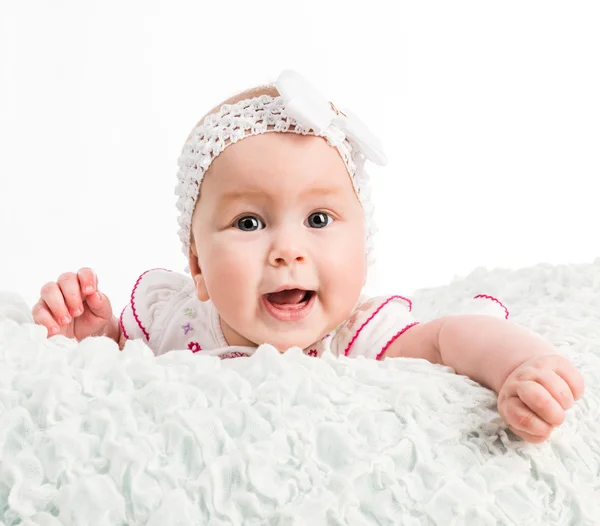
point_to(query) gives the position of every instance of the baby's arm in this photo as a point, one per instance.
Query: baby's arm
(535, 385)
(484, 348)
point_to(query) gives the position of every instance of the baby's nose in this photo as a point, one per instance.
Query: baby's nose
(286, 255)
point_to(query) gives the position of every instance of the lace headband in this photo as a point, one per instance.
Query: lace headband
(300, 109)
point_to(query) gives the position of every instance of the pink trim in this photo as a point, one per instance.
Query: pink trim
(493, 299)
(132, 301)
(393, 339)
(357, 333)
(123, 331)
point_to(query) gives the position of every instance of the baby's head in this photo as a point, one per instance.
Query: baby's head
(277, 237)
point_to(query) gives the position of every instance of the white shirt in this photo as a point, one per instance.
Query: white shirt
(164, 311)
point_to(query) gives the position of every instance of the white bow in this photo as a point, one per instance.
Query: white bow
(306, 105)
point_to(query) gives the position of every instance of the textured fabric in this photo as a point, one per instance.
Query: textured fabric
(91, 435)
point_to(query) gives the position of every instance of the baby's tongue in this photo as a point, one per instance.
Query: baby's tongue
(286, 297)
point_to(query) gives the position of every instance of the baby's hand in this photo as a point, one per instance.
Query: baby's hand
(534, 398)
(73, 306)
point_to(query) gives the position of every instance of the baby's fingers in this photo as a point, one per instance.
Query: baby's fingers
(71, 290)
(538, 399)
(519, 417)
(532, 439)
(99, 305)
(557, 387)
(87, 280)
(572, 377)
(53, 299)
(42, 316)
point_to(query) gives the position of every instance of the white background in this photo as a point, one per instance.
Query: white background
(489, 111)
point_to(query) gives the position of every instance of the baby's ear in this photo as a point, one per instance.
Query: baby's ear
(197, 276)
(200, 287)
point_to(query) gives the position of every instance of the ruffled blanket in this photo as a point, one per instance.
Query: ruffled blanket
(90, 435)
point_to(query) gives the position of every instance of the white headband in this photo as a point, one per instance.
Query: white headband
(301, 109)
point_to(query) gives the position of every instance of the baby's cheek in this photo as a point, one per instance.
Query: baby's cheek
(342, 293)
(226, 270)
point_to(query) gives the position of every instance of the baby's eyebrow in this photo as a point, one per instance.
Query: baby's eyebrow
(322, 191)
(238, 195)
(261, 195)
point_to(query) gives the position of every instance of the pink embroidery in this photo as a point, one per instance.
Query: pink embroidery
(194, 346)
(357, 333)
(132, 301)
(393, 339)
(187, 328)
(123, 331)
(312, 352)
(493, 299)
(235, 354)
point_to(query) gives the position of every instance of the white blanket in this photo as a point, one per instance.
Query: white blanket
(90, 435)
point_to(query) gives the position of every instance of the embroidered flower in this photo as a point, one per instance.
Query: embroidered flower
(194, 346)
(308, 107)
(190, 313)
(312, 352)
(187, 328)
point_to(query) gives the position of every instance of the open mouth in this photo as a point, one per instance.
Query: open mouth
(290, 299)
(290, 304)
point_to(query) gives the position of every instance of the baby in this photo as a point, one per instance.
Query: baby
(276, 225)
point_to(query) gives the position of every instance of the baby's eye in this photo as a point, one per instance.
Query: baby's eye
(249, 223)
(319, 220)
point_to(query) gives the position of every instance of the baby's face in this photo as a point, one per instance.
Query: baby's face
(278, 213)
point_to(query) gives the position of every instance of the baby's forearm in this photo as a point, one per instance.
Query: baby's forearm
(487, 349)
